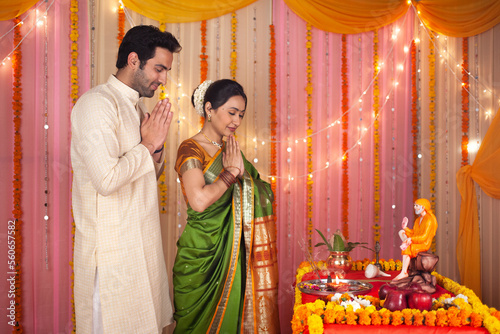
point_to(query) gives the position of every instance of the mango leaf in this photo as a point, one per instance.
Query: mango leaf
(338, 244)
(325, 241)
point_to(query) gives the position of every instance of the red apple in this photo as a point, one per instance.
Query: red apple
(384, 289)
(420, 300)
(395, 300)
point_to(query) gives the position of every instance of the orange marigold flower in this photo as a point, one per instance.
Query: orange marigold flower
(351, 318)
(397, 318)
(408, 317)
(329, 316)
(340, 317)
(386, 318)
(441, 318)
(297, 326)
(418, 318)
(364, 318)
(476, 320)
(302, 312)
(376, 318)
(430, 318)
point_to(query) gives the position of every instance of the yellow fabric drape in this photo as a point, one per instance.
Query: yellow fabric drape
(348, 17)
(484, 171)
(458, 18)
(9, 9)
(181, 11)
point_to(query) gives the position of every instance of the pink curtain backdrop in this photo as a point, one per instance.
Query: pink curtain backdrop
(395, 142)
(46, 286)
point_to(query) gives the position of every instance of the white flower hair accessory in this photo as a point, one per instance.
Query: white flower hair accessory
(199, 96)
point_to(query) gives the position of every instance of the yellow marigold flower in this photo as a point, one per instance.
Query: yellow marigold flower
(315, 324)
(370, 309)
(338, 308)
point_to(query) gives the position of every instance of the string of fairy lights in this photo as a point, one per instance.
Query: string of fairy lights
(450, 59)
(440, 50)
(39, 21)
(338, 120)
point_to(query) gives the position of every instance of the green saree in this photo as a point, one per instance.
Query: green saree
(225, 274)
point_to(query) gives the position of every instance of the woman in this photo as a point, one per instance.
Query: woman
(225, 272)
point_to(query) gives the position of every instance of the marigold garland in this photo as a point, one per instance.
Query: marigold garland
(274, 122)
(471, 313)
(309, 91)
(234, 54)
(75, 91)
(414, 118)
(203, 55)
(121, 23)
(376, 139)
(432, 127)
(345, 127)
(17, 211)
(465, 101)
(203, 59)
(162, 180)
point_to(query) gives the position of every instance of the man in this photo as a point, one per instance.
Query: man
(418, 239)
(117, 155)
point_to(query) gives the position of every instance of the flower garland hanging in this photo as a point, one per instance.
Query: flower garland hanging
(75, 90)
(309, 91)
(376, 139)
(17, 212)
(414, 118)
(345, 154)
(162, 180)
(121, 23)
(203, 59)
(432, 126)
(465, 101)
(203, 55)
(234, 55)
(274, 123)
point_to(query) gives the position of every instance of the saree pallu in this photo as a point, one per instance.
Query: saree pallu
(226, 273)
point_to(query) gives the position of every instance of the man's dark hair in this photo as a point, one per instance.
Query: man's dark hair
(144, 40)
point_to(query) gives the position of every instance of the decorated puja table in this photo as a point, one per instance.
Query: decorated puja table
(455, 309)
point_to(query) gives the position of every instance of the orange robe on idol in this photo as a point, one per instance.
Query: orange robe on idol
(421, 235)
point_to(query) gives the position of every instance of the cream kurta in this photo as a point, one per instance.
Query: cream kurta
(115, 206)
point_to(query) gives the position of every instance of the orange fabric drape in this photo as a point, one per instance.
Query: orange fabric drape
(458, 18)
(12, 8)
(484, 171)
(181, 11)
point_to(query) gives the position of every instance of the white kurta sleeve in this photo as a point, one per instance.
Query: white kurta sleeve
(94, 130)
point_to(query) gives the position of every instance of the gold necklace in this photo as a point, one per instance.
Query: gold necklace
(211, 141)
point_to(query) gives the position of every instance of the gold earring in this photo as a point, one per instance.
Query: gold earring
(209, 117)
